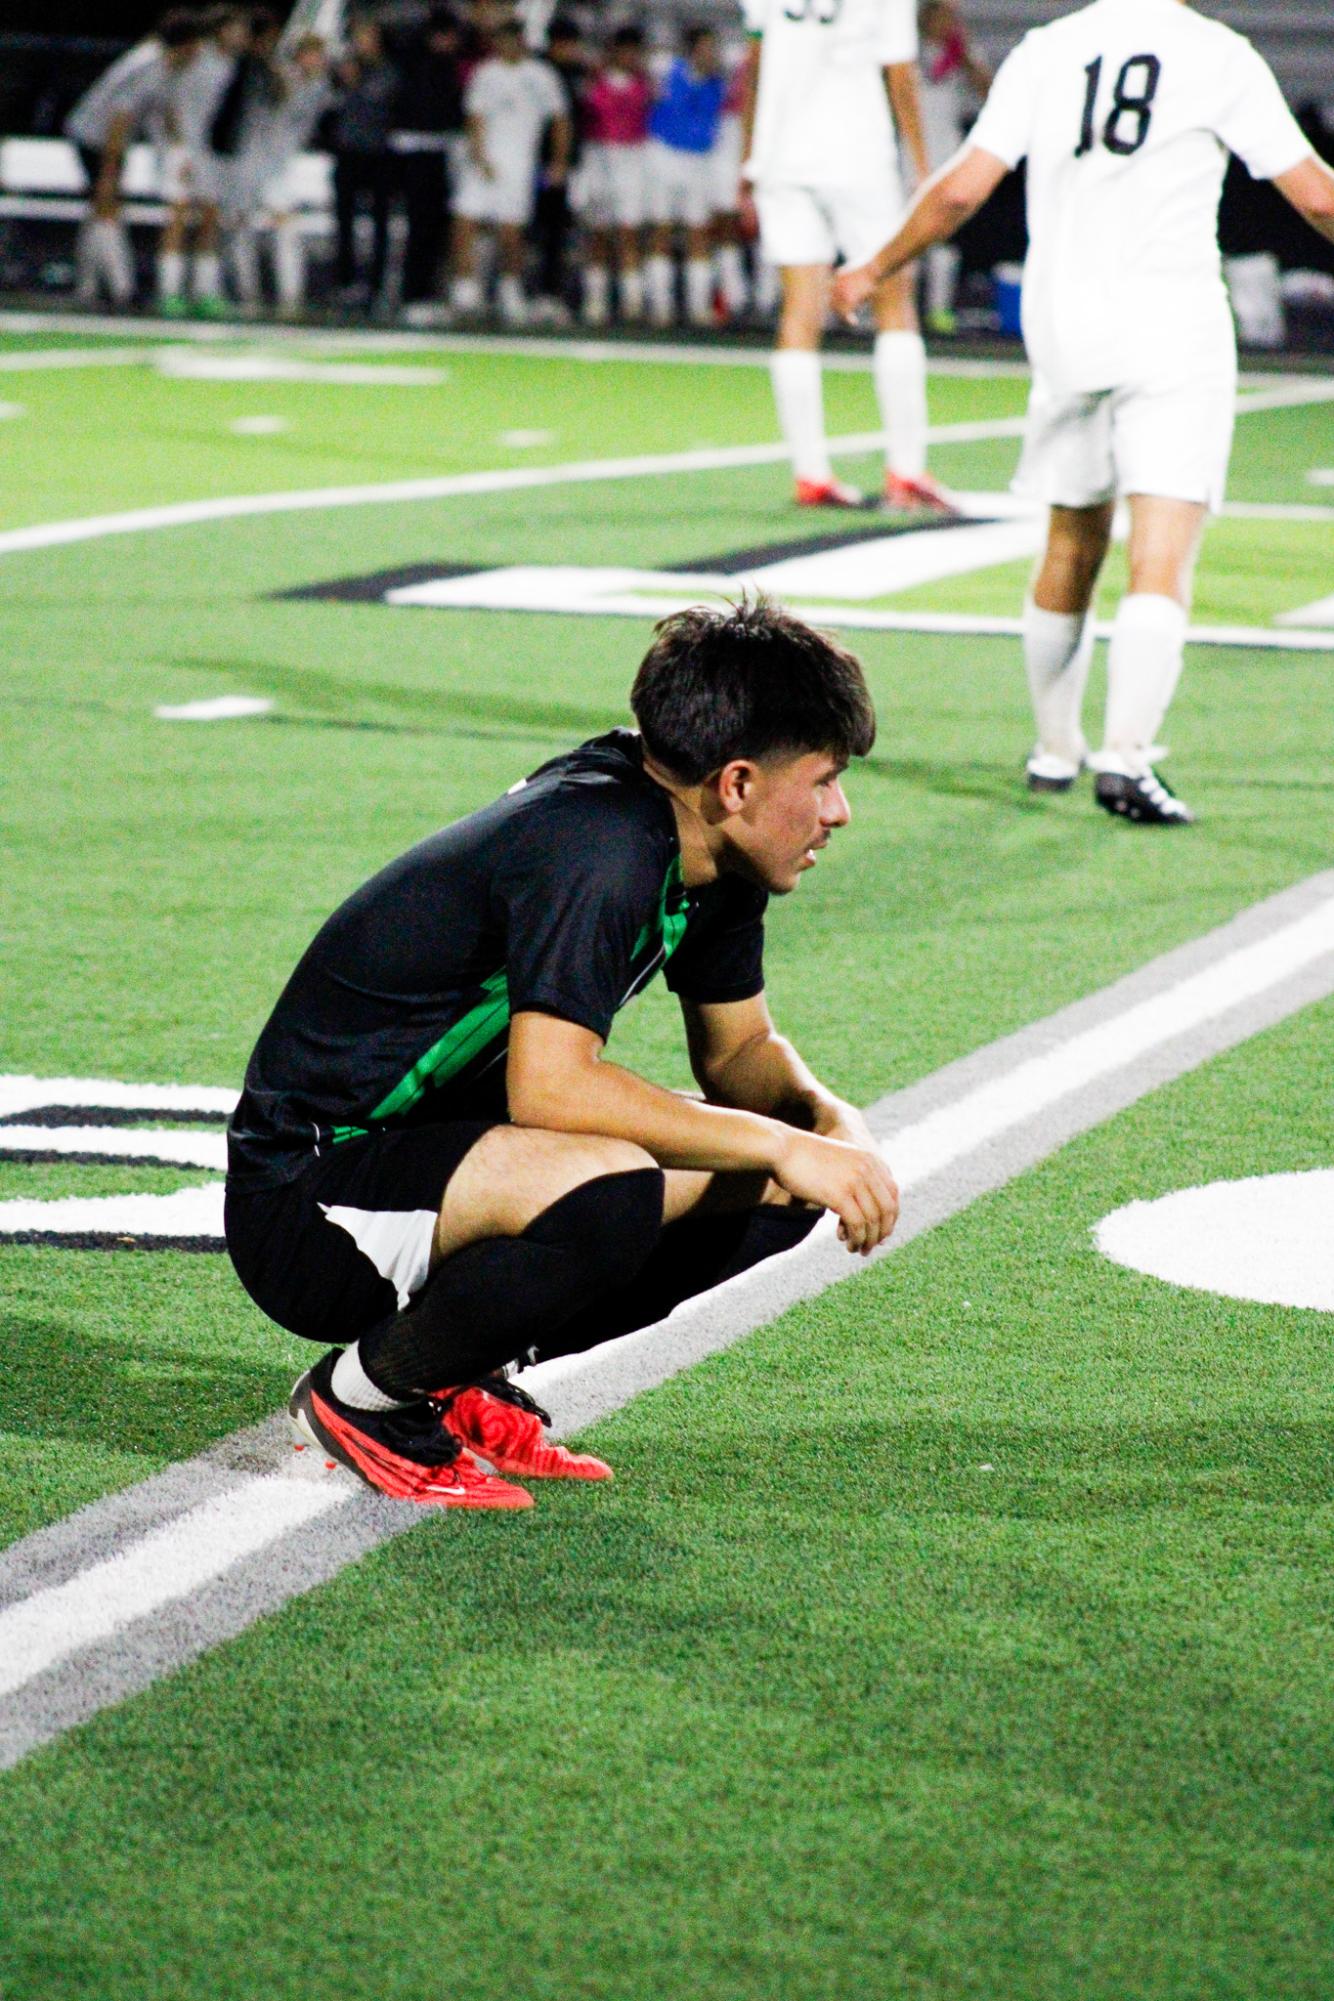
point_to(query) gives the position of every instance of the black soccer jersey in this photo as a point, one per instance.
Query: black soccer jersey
(563, 897)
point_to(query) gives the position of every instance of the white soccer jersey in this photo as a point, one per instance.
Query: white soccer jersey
(1126, 112)
(194, 97)
(515, 102)
(822, 118)
(132, 88)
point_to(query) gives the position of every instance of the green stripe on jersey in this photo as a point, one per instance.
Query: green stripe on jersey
(456, 1047)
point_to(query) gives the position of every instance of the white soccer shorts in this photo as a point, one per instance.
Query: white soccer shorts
(508, 198)
(189, 174)
(800, 225)
(725, 167)
(1171, 438)
(610, 187)
(679, 186)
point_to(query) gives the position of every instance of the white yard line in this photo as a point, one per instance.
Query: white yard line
(208, 1540)
(24, 363)
(166, 1565)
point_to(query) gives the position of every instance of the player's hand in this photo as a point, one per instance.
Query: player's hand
(853, 286)
(853, 1181)
(847, 1124)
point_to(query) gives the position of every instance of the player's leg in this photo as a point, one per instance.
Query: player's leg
(174, 172)
(595, 308)
(1171, 444)
(796, 236)
(465, 291)
(628, 188)
(1058, 640)
(208, 298)
(699, 273)
(510, 296)
(663, 198)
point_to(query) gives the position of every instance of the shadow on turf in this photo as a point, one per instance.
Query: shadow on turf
(427, 711)
(166, 1402)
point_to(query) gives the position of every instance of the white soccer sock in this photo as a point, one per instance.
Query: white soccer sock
(767, 287)
(208, 275)
(1058, 647)
(597, 294)
(245, 264)
(119, 263)
(900, 391)
(511, 300)
(699, 290)
(631, 288)
(799, 394)
(1143, 668)
(351, 1385)
(732, 278)
(289, 263)
(658, 277)
(942, 277)
(170, 274)
(466, 295)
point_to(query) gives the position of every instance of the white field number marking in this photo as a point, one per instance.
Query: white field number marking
(168, 1563)
(1268, 1237)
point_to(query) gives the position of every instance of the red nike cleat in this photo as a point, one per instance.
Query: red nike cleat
(408, 1453)
(502, 1423)
(922, 495)
(828, 493)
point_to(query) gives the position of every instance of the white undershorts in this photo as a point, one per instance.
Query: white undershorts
(610, 187)
(509, 197)
(800, 225)
(1172, 438)
(191, 175)
(725, 166)
(679, 185)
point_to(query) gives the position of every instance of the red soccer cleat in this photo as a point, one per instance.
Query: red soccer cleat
(922, 495)
(828, 493)
(408, 1454)
(503, 1425)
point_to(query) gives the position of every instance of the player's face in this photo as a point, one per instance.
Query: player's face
(790, 808)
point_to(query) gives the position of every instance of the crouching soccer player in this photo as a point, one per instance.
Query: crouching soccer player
(433, 1162)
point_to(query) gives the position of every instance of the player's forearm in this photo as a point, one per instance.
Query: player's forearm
(767, 1075)
(906, 104)
(679, 1132)
(1309, 186)
(941, 207)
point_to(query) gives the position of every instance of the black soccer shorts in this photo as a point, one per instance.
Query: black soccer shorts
(348, 1242)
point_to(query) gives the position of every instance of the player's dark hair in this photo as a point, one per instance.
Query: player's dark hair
(562, 29)
(698, 32)
(748, 681)
(628, 38)
(177, 27)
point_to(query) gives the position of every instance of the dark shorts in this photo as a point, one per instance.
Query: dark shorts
(349, 1241)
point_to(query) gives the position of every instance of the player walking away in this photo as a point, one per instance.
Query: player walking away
(193, 173)
(278, 113)
(953, 80)
(683, 130)
(822, 162)
(612, 181)
(363, 166)
(434, 1166)
(511, 100)
(1125, 112)
(102, 126)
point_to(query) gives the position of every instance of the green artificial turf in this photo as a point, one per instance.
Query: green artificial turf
(808, 1704)
(964, 1634)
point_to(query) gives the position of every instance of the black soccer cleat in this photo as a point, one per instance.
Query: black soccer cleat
(1145, 800)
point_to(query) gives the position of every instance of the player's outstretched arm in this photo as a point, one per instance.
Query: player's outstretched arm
(556, 1080)
(1309, 186)
(943, 204)
(905, 104)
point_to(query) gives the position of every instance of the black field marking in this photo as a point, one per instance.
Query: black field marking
(109, 1115)
(103, 1240)
(591, 1386)
(372, 589)
(877, 528)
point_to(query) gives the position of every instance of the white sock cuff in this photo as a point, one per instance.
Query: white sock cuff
(1147, 611)
(795, 364)
(351, 1385)
(900, 342)
(1058, 627)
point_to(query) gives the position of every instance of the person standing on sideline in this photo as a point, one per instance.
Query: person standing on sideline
(828, 86)
(512, 99)
(952, 76)
(427, 130)
(683, 131)
(102, 126)
(276, 119)
(193, 173)
(363, 167)
(552, 216)
(612, 184)
(434, 1166)
(1126, 112)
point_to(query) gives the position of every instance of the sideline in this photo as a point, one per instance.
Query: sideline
(104, 1603)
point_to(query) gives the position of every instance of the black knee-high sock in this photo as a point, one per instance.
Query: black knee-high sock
(692, 1256)
(496, 1298)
